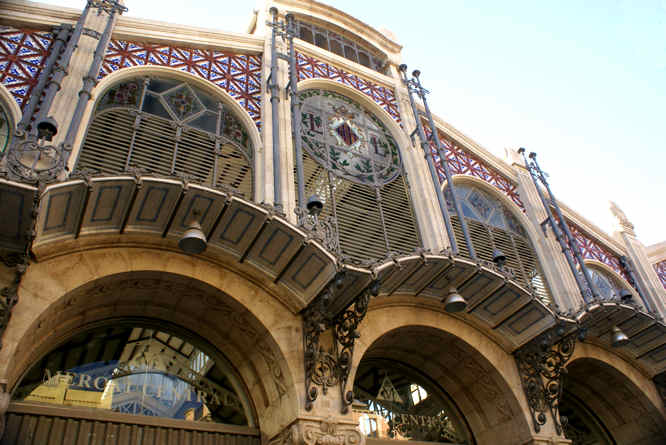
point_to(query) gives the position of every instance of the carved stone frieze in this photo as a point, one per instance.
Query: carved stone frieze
(319, 432)
(541, 364)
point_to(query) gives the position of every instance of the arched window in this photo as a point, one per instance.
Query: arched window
(353, 163)
(138, 370)
(493, 226)
(342, 46)
(392, 401)
(169, 127)
(6, 127)
(609, 286)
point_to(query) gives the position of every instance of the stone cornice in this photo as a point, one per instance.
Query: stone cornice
(346, 64)
(344, 21)
(656, 252)
(130, 28)
(38, 15)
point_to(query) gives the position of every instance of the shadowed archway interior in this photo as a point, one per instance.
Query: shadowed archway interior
(475, 397)
(607, 408)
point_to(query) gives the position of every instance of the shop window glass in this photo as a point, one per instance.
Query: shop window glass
(137, 370)
(390, 404)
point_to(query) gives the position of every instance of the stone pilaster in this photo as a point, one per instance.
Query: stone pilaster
(562, 284)
(644, 271)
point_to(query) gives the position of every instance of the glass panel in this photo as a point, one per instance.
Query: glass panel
(152, 105)
(363, 59)
(336, 47)
(347, 139)
(321, 41)
(350, 53)
(5, 131)
(390, 404)
(206, 122)
(135, 370)
(161, 85)
(127, 94)
(306, 34)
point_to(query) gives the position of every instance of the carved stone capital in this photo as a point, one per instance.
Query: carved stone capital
(328, 431)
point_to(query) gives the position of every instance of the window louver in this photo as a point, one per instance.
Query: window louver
(520, 257)
(359, 213)
(107, 144)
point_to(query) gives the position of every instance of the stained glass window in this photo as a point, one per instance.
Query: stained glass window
(348, 140)
(492, 227)
(138, 370)
(351, 161)
(169, 127)
(609, 287)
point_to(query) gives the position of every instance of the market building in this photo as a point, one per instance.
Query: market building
(268, 238)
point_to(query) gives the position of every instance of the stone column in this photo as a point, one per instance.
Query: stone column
(646, 276)
(560, 279)
(63, 105)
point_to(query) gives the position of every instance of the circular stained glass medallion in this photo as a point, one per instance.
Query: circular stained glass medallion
(347, 139)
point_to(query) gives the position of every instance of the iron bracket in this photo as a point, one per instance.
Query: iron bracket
(541, 364)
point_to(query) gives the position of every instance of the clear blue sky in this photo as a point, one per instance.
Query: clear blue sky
(582, 83)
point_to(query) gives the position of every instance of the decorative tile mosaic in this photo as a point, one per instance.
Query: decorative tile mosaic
(592, 250)
(23, 53)
(237, 74)
(462, 162)
(311, 68)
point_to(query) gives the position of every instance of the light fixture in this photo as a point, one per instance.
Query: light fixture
(454, 302)
(47, 128)
(499, 258)
(193, 240)
(626, 295)
(619, 338)
(314, 205)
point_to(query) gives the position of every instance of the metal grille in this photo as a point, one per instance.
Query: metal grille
(359, 209)
(520, 256)
(107, 149)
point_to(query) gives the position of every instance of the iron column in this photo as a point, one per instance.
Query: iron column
(556, 230)
(275, 98)
(447, 172)
(431, 165)
(295, 113)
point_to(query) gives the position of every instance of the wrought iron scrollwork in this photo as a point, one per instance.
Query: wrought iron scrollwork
(327, 368)
(322, 229)
(541, 364)
(345, 334)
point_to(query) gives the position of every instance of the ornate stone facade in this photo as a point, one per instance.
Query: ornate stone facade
(242, 266)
